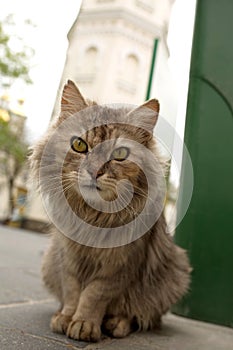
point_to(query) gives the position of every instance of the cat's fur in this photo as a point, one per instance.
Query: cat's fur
(118, 289)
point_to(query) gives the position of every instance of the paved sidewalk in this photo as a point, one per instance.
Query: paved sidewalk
(26, 308)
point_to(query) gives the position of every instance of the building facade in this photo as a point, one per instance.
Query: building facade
(110, 48)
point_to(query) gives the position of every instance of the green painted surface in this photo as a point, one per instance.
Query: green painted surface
(207, 229)
(152, 67)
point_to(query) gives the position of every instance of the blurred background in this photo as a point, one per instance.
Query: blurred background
(116, 52)
(121, 51)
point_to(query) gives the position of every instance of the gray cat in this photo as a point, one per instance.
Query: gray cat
(105, 287)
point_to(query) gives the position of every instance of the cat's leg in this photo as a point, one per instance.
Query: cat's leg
(117, 326)
(52, 277)
(62, 284)
(71, 292)
(87, 320)
(51, 273)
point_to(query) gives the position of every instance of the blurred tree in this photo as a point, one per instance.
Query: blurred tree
(15, 59)
(13, 153)
(14, 55)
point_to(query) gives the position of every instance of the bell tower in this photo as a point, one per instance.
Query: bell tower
(110, 48)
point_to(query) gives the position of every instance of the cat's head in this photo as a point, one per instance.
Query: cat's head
(106, 146)
(98, 154)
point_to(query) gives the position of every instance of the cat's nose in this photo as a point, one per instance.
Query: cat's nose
(95, 173)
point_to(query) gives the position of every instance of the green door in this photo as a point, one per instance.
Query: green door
(207, 229)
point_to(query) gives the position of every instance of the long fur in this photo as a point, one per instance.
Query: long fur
(117, 289)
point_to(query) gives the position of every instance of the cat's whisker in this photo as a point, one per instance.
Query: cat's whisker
(131, 210)
(126, 204)
(143, 193)
(51, 187)
(58, 185)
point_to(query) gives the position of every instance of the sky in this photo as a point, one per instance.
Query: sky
(49, 40)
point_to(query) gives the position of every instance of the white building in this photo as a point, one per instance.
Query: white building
(110, 50)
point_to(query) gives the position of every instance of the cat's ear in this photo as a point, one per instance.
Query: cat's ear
(72, 100)
(146, 115)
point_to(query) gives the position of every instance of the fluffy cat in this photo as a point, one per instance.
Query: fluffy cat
(106, 280)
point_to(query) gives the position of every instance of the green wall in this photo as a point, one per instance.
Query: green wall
(207, 229)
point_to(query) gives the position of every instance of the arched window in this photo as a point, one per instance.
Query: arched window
(129, 73)
(90, 57)
(131, 69)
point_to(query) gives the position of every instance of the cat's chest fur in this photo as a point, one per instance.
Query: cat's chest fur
(88, 263)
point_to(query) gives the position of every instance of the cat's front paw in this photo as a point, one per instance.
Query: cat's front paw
(59, 323)
(84, 330)
(117, 326)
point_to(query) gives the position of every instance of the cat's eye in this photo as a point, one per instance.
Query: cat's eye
(120, 153)
(78, 145)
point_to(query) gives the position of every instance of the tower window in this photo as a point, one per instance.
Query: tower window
(90, 58)
(131, 68)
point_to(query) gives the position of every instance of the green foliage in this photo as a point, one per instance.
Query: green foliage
(13, 150)
(13, 153)
(14, 63)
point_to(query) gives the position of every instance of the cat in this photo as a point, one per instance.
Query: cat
(108, 279)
